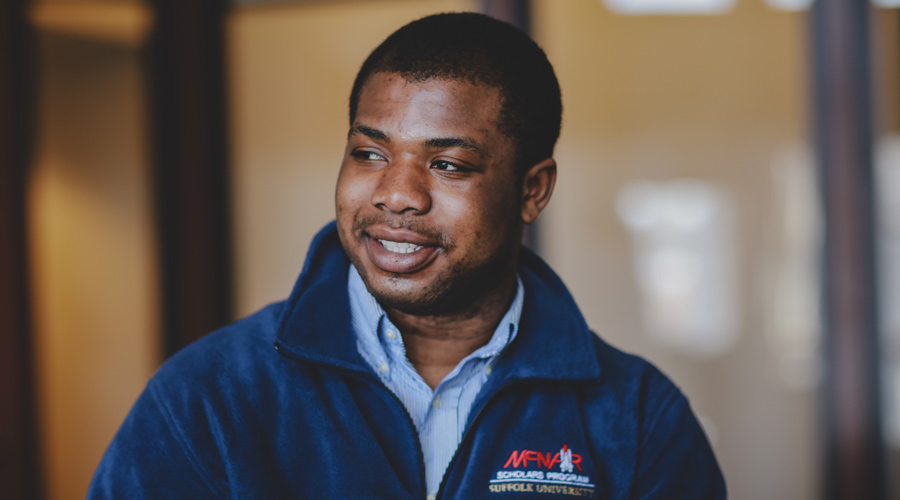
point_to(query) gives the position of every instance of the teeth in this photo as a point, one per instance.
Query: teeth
(399, 247)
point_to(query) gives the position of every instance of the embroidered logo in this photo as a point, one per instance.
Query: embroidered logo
(551, 472)
(565, 455)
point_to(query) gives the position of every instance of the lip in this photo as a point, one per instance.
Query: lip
(399, 263)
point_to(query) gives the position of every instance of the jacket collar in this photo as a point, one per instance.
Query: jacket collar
(553, 341)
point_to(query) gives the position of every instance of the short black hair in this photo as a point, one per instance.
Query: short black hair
(484, 51)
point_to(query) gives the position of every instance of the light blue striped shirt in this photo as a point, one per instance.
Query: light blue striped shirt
(439, 415)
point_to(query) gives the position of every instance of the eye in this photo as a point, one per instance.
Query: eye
(363, 155)
(447, 166)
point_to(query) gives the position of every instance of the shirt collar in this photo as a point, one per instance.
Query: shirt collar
(370, 322)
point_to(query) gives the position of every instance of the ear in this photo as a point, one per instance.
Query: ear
(537, 186)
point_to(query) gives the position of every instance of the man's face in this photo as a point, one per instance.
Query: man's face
(428, 207)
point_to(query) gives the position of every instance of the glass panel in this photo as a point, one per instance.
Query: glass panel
(686, 222)
(886, 67)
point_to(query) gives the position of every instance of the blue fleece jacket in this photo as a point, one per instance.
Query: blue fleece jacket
(281, 405)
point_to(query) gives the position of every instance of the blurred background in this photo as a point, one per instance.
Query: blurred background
(728, 206)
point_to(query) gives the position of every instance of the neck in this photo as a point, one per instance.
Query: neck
(435, 344)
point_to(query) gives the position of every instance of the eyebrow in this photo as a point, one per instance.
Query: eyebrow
(369, 132)
(436, 143)
(457, 142)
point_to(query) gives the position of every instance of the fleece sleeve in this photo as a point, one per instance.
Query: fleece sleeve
(150, 458)
(676, 459)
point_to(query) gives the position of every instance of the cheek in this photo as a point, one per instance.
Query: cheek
(351, 194)
(498, 202)
(484, 214)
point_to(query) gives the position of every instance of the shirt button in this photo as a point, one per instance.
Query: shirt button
(488, 369)
(384, 367)
(431, 496)
(391, 334)
(436, 402)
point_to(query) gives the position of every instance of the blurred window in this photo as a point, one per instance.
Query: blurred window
(683, 234)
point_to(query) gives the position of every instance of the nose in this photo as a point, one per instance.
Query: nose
(403, 187)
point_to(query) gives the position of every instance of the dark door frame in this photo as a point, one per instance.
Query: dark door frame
(854, 467)
(20, 471)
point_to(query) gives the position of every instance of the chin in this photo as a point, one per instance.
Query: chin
(410, 307)
(406, 296)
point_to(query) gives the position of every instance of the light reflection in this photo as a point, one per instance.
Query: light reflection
(886, 4)
(790, 5)
(683, 234)
(887, 182)
(791, 294)
(671, 7)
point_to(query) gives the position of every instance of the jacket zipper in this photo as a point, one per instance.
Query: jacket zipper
(469, 430)
(412, 426)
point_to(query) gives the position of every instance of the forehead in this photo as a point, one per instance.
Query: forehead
(429, 106)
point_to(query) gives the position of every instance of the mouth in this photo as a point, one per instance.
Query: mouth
(400, 246)
(399, 251)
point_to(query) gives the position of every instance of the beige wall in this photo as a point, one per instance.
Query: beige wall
(291, 72)
(94, 282)
(713, 98)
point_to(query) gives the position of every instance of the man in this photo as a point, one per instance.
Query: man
(422, 353)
